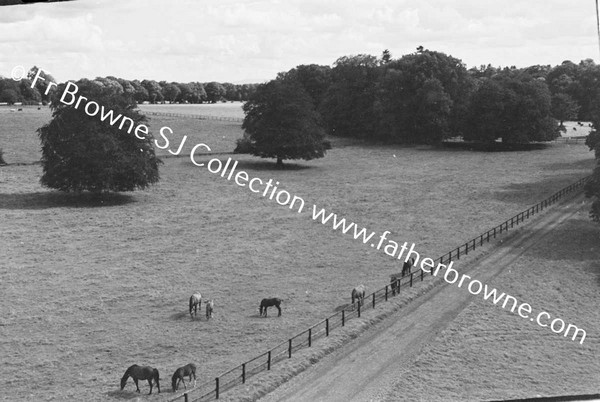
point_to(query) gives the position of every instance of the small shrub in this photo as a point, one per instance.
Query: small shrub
(244, 145)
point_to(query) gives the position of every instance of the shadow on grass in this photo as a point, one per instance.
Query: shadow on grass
(342, 307)
(580, 164)
(245, 163)
(494, 146)
(52, 199)
(181, 316)
(131, 394)
(532, 193)
(268, 165)
(579, 242)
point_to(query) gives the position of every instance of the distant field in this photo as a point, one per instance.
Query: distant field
(229, 109)
(576, 130)
(89, 290)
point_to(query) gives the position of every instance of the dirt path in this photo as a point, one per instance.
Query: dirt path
(368, 367)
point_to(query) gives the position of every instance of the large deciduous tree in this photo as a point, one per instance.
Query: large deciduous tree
(83, 153)
(422, 97)
(512, 106)
(347, 107)
(564, 108)
(281, 123)
(42, 82)
(214, 91)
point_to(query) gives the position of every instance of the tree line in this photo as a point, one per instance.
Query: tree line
(420, 98)
(428, 96)
(143, 91)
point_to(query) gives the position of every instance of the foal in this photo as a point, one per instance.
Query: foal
(209, 309)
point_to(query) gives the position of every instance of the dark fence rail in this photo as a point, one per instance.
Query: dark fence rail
(198, 116)
(238, 375)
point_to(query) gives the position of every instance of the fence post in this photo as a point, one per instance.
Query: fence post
(290, 348)
(217, 388)
(386, 292)
(422, 274)
(411, 279)
(327, 327)
(488, 236)
(243, 373)
(373, 299)
(185, 397)
(309, 337)
(481, 241)
(358, 308)
(457, 254)
(494, 233)
(269, 361)
(466, 248)
(343, 317)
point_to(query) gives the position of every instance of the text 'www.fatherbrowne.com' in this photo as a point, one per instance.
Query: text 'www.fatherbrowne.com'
(451, 275)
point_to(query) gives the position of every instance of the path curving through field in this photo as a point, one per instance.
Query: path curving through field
(370, 367)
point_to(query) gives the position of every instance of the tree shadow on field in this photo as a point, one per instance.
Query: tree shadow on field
(577, 165)
(55, 199)
(267, 165)
(532, 193)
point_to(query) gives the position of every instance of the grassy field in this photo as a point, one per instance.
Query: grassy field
(90, 289)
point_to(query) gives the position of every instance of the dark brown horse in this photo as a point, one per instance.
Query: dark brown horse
(268, 303)
(141, 373)
(189, 370)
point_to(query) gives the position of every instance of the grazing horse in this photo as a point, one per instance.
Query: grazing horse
(195, 303)
(407, 266)
(209, 309)
(358, 293)
(265, 303)
(189, 370)
(141, 373)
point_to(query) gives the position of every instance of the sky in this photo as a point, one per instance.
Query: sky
(251, 41)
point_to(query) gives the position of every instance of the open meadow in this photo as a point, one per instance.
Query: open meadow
(90, 288)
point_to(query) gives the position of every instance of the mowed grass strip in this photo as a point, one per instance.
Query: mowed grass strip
(91, 289)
